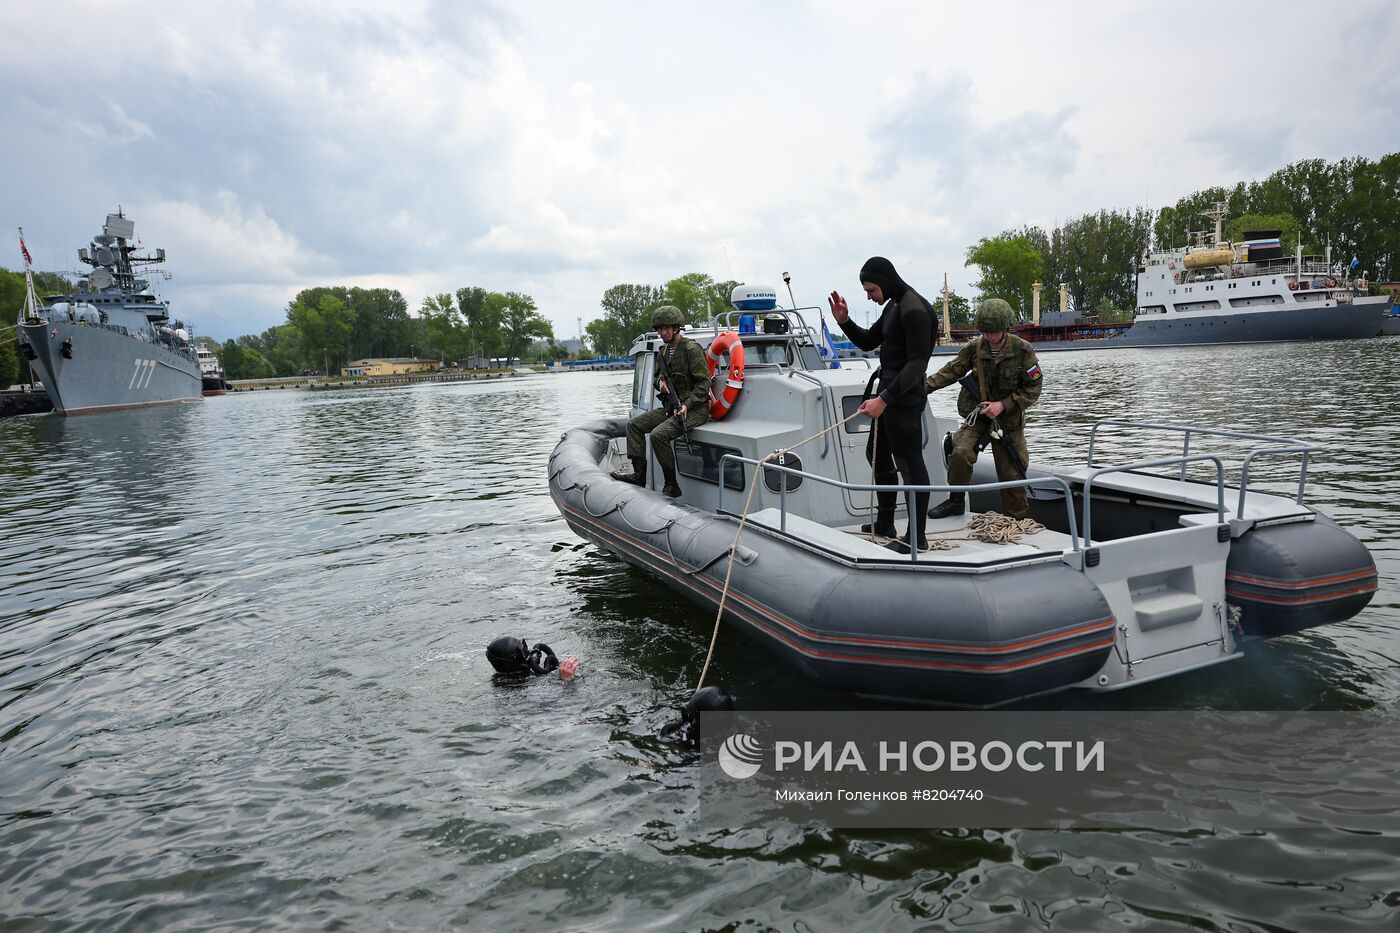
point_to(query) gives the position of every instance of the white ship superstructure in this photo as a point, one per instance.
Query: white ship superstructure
(1215, 291)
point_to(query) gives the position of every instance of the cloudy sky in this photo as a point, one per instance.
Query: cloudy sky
(560, 148)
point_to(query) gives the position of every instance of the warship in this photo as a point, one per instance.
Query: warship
(110, 343)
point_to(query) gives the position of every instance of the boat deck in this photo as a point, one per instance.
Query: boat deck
(848, 543)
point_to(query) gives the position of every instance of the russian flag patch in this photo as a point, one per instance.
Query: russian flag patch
(1033, 372)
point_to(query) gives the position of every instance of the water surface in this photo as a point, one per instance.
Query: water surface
(242, 679)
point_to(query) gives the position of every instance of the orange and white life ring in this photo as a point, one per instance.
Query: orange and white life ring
(727, 342)
(1331, 283)
(1292, 286)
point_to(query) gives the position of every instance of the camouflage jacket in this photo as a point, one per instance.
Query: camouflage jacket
(1014, 379)
(690, 374)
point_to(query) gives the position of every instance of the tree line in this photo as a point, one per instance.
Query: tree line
(328, 326)
(1352, 204)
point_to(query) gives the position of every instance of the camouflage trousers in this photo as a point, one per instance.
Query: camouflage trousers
(965, 444)
(663, 430)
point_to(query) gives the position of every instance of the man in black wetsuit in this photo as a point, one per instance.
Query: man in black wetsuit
(905, 334)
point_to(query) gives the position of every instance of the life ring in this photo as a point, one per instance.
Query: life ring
(1292, 286)
(727, 342)
(1331, 283)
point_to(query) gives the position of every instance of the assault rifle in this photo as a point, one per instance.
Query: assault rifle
(1013, 456)
(669, 399)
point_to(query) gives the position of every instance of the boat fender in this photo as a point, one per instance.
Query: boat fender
(947, 448)
(66, 348)
(515, 656)
(727, 342)
(704, 700)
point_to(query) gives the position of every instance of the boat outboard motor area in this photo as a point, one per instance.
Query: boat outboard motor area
(515, 656)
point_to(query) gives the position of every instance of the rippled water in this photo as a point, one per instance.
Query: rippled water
(242, 680)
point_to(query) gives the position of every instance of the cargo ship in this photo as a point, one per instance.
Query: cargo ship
(1217, 292)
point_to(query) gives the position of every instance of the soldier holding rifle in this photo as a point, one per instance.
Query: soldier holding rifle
(683, 384)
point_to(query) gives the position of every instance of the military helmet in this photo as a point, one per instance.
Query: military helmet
(667, 316)
(994, 316)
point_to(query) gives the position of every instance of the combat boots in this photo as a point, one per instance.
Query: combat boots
(637, 476)
(955, 504)
(670, 487)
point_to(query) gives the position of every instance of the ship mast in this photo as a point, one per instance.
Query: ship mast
(31, 304)
(1217, 214)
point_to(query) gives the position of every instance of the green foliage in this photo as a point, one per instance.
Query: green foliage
(9, 358)
(483, 320)
(697, 295)
(1351, 204)
(959, 309)
(607, 337)
(323, 330)
(630, 306)
(1098, 256)
(520, 321)
(241, 361)
(1245, 223)
(446, 333)
(1009, 265)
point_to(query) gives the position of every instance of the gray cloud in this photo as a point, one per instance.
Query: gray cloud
(934, 126)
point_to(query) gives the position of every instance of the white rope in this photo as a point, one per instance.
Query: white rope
(743, 519)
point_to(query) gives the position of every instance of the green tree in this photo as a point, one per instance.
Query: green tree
(630, 306)
(607, 337)
(9, 357)
(482, 317)
(240, 361)
(447, 334)
(324, 329)
(698, 296)
(1098, 256)
(1247, 223)
(520, 321)
(959, 309)
(383, 327)
(1009, 264)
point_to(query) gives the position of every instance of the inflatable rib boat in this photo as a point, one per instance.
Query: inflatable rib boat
(1137, 575)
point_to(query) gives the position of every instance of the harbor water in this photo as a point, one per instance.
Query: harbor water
(243, 683)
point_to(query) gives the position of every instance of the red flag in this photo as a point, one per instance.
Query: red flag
(25, 250)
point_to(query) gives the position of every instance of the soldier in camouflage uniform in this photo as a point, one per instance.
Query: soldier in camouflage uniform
(1008, 375)
(690, 377)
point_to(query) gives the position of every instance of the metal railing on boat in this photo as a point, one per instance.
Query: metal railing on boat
(1287, 445)
(908, 490)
